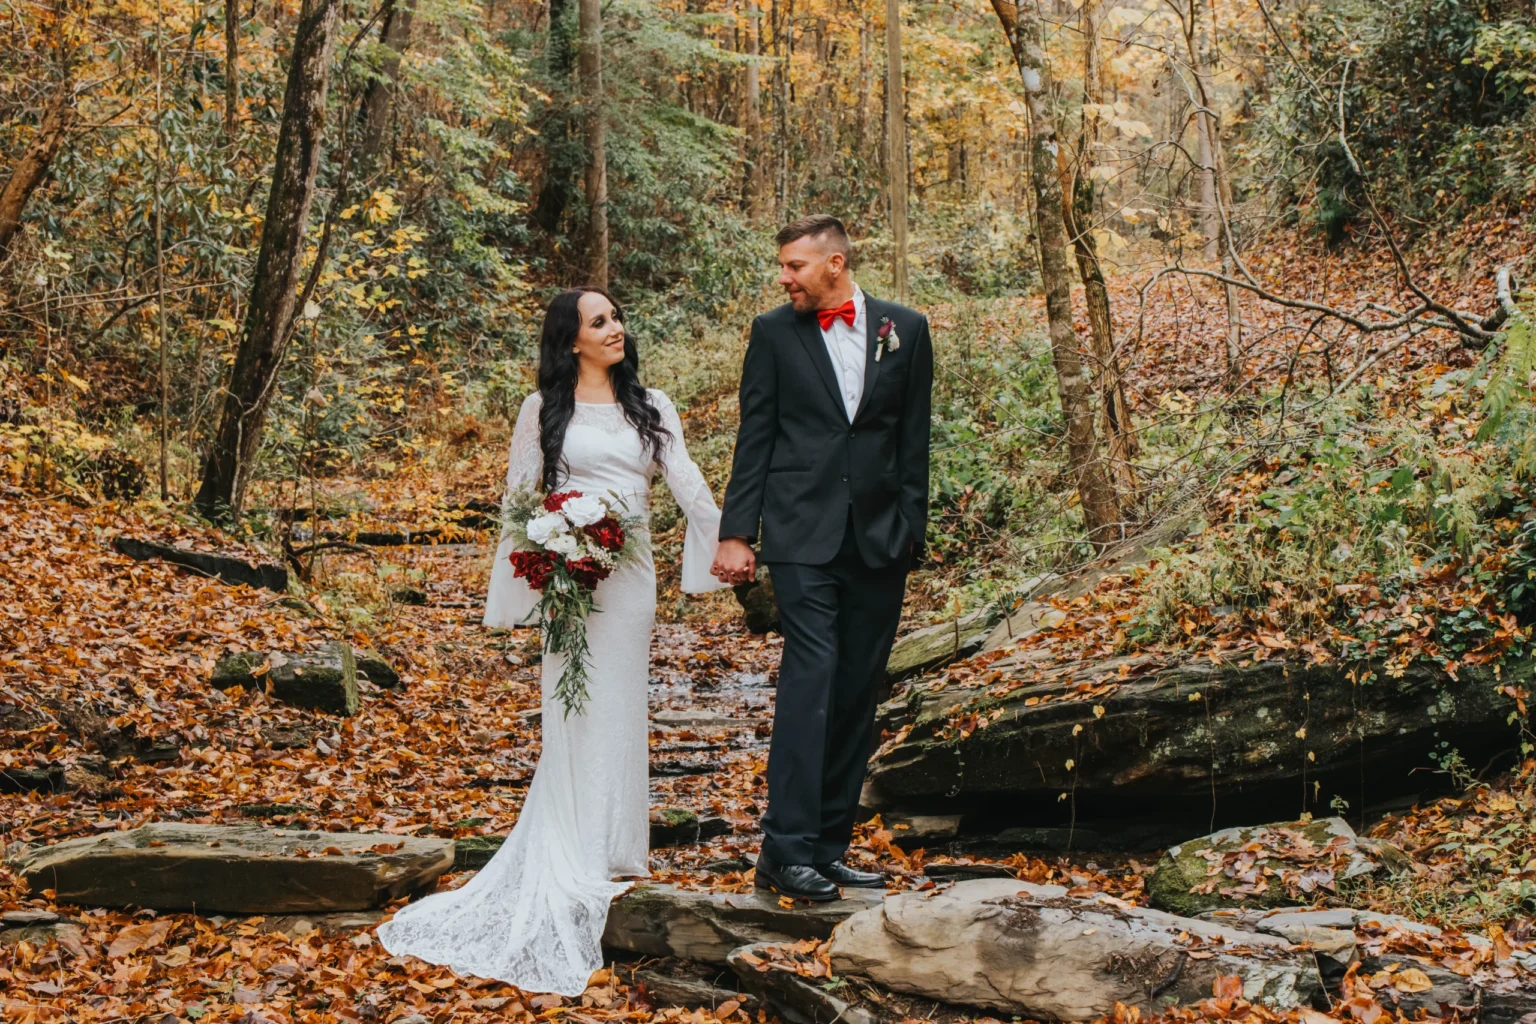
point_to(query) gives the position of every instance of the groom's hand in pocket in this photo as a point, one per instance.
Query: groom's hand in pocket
(735, 561)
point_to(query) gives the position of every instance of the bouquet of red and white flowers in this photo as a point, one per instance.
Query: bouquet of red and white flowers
(566, 544)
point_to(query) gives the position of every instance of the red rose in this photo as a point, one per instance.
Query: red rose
(608, 534)
(554, 502)
(534, 566)
(586, 572)
(885, 330)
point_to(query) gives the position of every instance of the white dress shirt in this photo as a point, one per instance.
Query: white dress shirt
(846, 345)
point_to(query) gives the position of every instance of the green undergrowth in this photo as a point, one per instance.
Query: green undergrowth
(1398, 524)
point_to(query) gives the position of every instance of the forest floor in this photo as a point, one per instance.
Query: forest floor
(129, 647)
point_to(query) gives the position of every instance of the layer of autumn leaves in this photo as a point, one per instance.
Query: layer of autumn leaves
(127, 648)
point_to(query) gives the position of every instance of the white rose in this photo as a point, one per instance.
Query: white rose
(584, 511)
(562, 544)
(542, 529)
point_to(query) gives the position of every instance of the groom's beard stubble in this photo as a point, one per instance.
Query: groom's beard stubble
(812, 296)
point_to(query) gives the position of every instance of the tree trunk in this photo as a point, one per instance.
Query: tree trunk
(754, 111)
(1101, 514)
(784, 49)
(30, 169)
(1078, 188)
(1198, 42)
(159, 228)
(1210, 214)
(270, 315)
(866, 43)
(1215, 189)
(896, 139)
(591, 14)
(561, 163)
(379, 102)
(724, 95)
(824, 154)
(231, 74)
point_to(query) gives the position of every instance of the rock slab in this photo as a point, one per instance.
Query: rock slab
(67, 934)
(759, 608)
(1132, 738)
(324, 679)
(700, 989)
(932, 646)
(1245, 867)
(226, 567)
(673, 826)
(1033, 951)
(663, 920)
(670, 826)
(243, 869)
(798, 1000)
(380, 672)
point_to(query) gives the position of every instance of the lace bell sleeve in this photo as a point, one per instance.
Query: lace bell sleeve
(692, 493)
(510, 600)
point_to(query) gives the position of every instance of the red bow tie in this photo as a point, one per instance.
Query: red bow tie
(828, 317)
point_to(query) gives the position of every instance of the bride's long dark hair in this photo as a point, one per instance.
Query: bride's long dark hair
(558, 365)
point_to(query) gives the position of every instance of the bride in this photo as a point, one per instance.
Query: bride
(533, 917)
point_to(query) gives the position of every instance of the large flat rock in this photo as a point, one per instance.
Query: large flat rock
(663, 920)
(1033, 951)
(1129, 739)
(243, 869)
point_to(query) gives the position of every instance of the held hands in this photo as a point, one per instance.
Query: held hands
(735, 561)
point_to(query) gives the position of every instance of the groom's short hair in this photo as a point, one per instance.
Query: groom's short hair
(817, 225)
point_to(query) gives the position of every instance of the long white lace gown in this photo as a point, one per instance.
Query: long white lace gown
(534, 916)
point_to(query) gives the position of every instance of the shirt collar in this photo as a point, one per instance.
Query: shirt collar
(858, 305)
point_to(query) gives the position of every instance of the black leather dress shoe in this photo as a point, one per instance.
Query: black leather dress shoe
(798, 881)
(839, 873)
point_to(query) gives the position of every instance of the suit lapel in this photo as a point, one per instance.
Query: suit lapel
(816, 348)
(874, 309)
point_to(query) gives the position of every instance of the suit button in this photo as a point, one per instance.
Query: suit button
(845, 478)
(852, 434)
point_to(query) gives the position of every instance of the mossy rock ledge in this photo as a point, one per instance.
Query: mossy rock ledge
(324, 679)
(1133, 738)
(940, 644)
(1186, 867)
(673, 826)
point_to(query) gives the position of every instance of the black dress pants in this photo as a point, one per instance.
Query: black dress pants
(839, 620)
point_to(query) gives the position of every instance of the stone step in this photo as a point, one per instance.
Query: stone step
(243, 869)
(663, 920)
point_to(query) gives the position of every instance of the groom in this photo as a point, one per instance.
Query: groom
(832, 462)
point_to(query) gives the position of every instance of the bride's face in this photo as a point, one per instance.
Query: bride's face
(600, 342)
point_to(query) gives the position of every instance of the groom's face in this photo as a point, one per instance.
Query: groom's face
(810, 270)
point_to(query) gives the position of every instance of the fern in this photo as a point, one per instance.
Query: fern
(1509, 379)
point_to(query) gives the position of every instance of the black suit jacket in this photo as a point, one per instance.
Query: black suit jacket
(800, 465)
